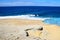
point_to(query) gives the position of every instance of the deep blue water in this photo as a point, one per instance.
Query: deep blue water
(41, 11)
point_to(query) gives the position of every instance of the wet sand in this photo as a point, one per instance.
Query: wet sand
(18, 29)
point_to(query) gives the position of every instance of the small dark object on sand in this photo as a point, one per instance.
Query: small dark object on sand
(28, 29)
(17, 37)
(40, 28)
(27, 34)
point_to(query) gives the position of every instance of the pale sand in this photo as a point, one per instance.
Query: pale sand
(14, 29)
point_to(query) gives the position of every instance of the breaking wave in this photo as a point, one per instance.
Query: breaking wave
(29, 16)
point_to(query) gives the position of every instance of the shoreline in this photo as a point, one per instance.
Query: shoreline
(28, 17)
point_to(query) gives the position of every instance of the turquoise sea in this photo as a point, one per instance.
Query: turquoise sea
(53, 21)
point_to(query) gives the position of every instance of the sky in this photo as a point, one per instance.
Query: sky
(29, 2)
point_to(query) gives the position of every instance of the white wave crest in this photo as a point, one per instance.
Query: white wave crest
(30, 17)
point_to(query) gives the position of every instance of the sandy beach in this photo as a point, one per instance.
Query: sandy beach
(23, 29)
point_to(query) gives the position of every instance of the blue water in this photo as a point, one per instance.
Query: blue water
(53, 21)
(41, 11)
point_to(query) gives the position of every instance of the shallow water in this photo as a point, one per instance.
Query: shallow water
(55, 21)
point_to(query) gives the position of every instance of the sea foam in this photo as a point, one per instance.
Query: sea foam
(30, 17)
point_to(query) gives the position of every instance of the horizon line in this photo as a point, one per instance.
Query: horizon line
(37, 6)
